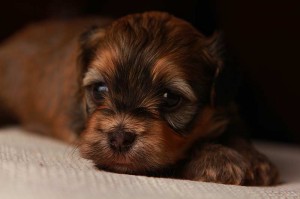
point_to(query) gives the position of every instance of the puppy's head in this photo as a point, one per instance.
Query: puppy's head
(148, 80)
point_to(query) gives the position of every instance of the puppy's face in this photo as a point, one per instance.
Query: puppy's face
(147, 88)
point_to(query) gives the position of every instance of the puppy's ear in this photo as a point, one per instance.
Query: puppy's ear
(89, 42)
(216, 47)
(226, 79)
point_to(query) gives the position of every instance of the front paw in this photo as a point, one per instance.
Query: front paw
(261, 171)
(217, 163)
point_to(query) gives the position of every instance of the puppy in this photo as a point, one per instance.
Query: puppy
(139, 95)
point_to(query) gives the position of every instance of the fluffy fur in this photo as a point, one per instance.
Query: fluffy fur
(138, 94)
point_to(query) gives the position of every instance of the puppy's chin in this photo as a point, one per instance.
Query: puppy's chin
(128, 163)
(135, 168)
(132, 162)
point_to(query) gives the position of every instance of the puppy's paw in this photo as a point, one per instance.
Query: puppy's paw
(261, 171)
(217, 163)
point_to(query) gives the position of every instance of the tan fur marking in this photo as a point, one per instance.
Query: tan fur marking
(93, 75)
(172, 74)
(105, 60)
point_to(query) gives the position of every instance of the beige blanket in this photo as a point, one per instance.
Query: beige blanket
(41, 168)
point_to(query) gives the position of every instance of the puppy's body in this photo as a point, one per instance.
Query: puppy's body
(138, 92)
(40, 80)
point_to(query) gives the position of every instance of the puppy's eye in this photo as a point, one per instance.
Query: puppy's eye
(97, 91)
(171, 100)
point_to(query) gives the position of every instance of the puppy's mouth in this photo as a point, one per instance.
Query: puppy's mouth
(122, 163)
(134, 161)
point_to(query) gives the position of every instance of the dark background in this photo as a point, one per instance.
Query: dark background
(263, 36)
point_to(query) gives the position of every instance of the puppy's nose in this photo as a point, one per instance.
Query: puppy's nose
(121, 141)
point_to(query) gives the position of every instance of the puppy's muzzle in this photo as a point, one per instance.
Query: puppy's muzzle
(121, 141)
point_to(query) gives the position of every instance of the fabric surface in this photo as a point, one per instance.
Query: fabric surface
(41, 168)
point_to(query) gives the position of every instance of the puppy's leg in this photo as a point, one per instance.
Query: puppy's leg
(216, 163)
(233, 161)
(261, 170)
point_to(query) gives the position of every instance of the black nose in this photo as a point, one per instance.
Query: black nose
(121, 141)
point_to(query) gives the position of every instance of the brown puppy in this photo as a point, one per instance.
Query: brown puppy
(138, 92)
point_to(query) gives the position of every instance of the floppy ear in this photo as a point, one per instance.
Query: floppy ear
(226, 79)
(216, 47)
(89, 42)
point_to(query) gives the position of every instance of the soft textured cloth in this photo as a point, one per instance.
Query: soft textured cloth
(41, 168)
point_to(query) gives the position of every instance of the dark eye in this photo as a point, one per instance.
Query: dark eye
(171, 100)
(97, 91)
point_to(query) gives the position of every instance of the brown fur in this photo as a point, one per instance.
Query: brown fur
(48, 72)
